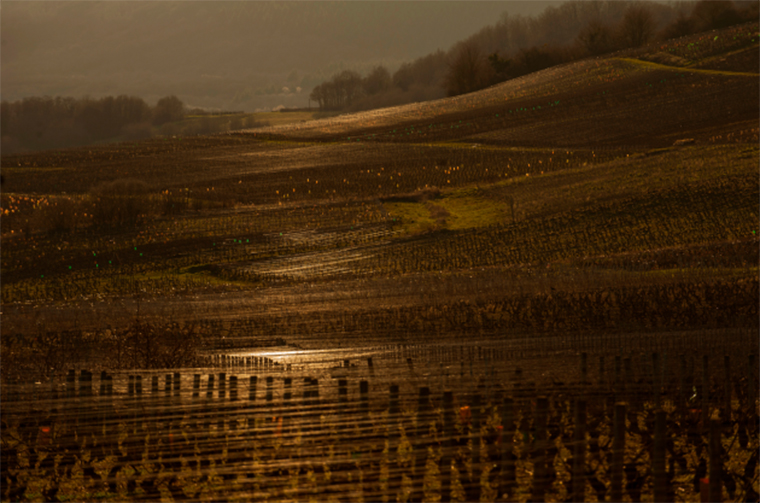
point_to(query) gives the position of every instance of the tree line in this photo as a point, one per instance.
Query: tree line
(39, 123)
(517, 45)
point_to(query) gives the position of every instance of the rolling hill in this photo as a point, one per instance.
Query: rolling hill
(630, 178)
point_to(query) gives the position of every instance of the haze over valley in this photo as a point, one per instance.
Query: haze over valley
(225, 55)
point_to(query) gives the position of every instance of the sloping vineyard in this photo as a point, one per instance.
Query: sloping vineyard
(459, 422)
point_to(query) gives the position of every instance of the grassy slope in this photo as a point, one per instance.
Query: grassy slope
(572, 166)
(640, 177)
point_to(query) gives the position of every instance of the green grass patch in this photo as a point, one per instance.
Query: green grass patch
(634, 177)
(460, 209)
(468, 209)
(658, 66)
(413, 217)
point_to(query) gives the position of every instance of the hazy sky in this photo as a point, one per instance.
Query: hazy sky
(221, 53)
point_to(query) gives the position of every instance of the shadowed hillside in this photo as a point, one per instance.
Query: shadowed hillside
(624, 100)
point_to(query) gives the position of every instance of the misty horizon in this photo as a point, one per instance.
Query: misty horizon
(222, 55)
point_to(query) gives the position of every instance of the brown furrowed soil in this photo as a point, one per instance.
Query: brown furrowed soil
(582, 235)
(563, 170)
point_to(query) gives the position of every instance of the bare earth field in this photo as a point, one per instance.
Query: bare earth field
(607, 208)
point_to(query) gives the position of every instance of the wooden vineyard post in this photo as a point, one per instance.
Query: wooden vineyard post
(236, 451)
(682, 391)
(222, 386)
(472, 489)
(196, 385)
(311, 400)
(194, 415)
(177, 439)
(627, 379)
(371, 367)
(287, 396)
(752, 377)
(306, 403)
(220, 409)
(667, 373)
(132, 402)
(656, 384)
(233, 400)
(128, 444)
(226, 426)
(152, 413)
(393, 438)
(540, 444)
(579, 453)
(252, 382)
(726, 415)
(287, 393)
(705, 392)
(584, 368)
(661, 482)
(207, 404)
(177, 384)
(204, 464)
(268, 398)
(448, 445)
(715, 473)
(104, 412)
(601, 371)
(103, 383)
(393, 407)
(166, 409)
(421, 444)
(365, 429)
(110, 428)
(508, 478)
(138, 393)
(618, 451)
(132, 392)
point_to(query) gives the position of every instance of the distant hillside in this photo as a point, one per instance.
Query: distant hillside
(623, 99)
(516, 46)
